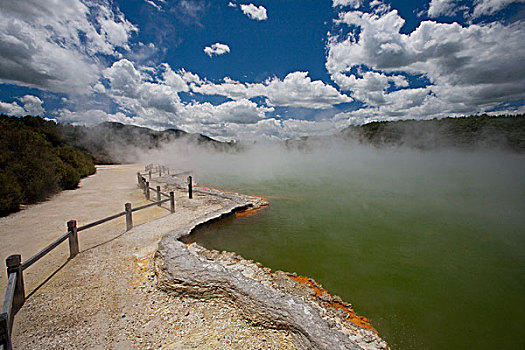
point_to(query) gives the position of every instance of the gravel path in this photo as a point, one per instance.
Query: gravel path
(106, 297)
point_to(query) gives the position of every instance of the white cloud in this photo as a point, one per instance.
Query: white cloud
(274, 128)
(295, 90)
(231, 4)
(131, 90)
(216, 49)
(90, 117)
(153, 4)
(54, 45)
(151, 95)
(298, 90)
(470, 69)
(254, 12)
(489, 7)
(441, 8)
(239, 112)
(32, 104)
(12, 109)
(175, 80)
(369, 87)
(479, 7)
(350, 3)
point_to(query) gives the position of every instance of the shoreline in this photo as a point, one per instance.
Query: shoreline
(116, 293)
(238, 284)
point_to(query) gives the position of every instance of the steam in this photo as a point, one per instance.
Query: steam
(360, 166)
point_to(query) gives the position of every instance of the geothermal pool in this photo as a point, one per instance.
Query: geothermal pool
(429, 246)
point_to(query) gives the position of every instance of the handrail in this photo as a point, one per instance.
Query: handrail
(44, 251)
(15, 295)
(101, 221)
(150, 205)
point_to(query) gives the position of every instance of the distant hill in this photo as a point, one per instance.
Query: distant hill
(466, 133)
(36, 162)
(112, 142)
(474, 132)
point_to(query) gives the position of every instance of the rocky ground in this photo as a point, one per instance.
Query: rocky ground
(123, 292)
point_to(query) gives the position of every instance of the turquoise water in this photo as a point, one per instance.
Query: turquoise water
(429, 246)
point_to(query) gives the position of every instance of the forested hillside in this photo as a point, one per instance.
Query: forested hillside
(474, 132)
(112, 142)
(36, 162)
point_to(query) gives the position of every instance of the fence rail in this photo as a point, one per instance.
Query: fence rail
(14, 296)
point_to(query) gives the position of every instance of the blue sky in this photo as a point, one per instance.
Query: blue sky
(260, 69)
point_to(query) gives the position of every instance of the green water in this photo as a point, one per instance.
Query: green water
(430, 247)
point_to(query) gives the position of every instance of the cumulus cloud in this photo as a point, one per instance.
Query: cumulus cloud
(479, 7)
(350, 3)
(130, 88)
(254, 12)
(295, 90)
(239, 112)
(32, 104)
(150, 94)
(441, 8)
(276, 128)
(12, 108)
(469, 69)
(90, 117)
(489, 7)
(216, 49)
(231, 4)
(54, 45)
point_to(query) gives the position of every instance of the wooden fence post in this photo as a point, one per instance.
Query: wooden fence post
(5, 333)
(129, 218)
(147, 190)
(150, 174)
(73, 238)
(160, 171)
(168, 171)
(172, 202)
(139, 178)
(158, 194)
(190, 187)
(14, 264)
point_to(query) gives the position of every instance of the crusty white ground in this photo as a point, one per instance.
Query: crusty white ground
(106, 297)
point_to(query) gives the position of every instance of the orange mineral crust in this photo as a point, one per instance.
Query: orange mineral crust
(359, 321)
(250, 211)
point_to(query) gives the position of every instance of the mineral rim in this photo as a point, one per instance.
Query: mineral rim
(277, 300)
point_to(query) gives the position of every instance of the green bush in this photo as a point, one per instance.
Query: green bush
(10, 194)
(36, 163)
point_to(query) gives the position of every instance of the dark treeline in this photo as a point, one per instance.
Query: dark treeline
(474, 132)
(36, 162)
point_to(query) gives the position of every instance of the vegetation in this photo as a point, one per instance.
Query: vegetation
(36, 162)
(483, 131)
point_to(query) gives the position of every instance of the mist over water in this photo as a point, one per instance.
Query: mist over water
(429, 245)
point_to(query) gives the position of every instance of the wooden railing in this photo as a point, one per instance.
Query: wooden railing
(15, 294)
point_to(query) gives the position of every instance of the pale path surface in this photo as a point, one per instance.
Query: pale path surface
(34, 227)
(106, 297)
